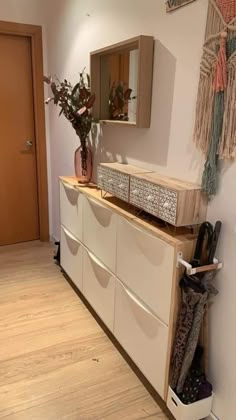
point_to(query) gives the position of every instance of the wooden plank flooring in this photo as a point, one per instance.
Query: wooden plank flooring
(56, 362)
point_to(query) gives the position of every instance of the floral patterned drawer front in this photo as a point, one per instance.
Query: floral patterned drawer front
(114, 182)
(100, 177)
(121, 185)
(136, 192)
(167, 205)
(105, 179)
(151, 198)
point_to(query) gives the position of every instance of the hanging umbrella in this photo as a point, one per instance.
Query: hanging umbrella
(196, 291)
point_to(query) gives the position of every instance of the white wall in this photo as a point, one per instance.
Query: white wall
(166, 147)
(31, 12)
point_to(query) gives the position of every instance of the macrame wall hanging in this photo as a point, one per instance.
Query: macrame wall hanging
(215, 126)
(175, 4)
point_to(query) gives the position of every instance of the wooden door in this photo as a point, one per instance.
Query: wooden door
(119, 68)
(19, 213)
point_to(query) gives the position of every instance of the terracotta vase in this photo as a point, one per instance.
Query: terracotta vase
(83, 174)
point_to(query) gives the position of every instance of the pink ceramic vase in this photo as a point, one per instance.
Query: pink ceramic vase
(83, 174)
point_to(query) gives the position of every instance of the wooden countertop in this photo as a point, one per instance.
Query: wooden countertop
(174, 236)
(119, 206)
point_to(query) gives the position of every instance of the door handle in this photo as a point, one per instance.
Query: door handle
(29, 143)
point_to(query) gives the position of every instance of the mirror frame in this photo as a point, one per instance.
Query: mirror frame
(145, 46)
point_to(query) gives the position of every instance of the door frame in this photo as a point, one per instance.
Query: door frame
(35, 35)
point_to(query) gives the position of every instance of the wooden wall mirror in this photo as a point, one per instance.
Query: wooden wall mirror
(121, 77)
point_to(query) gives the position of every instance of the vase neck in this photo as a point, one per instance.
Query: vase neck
(82, 138)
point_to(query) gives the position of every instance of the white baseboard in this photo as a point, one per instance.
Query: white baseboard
(52, 239)
(213, 417)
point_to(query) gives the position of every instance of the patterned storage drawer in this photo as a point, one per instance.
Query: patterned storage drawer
(151, 198)
(100, 177)
(136, 192)
(167, 205)
(120, 185)
(177, 202)
(114, 182)
(105, 179)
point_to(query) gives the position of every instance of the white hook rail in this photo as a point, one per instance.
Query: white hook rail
(194, 270)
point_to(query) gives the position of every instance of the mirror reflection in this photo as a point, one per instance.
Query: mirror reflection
(119, 74)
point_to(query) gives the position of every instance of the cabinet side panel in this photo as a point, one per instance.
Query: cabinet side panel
(146, 50)
(95, 70)
(192, 208)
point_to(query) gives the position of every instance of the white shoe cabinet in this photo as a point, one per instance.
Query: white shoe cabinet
(127, 270)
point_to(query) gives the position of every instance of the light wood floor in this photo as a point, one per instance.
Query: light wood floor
(55, 360)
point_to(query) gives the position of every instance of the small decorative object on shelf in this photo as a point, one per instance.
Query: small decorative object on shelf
(175, 4)
(76, 103)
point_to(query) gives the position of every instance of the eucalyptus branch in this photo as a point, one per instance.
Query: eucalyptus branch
(75, 103)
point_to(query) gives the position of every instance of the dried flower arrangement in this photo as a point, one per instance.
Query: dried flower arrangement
(75, 103)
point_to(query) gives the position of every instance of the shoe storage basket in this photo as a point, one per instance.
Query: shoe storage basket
(196, 411)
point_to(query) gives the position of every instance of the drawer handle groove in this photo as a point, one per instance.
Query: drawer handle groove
(102, 214)
(140, 304)
(70, 235)
(97, 204)
(69, 186)
(98, 262)
(140, 230)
